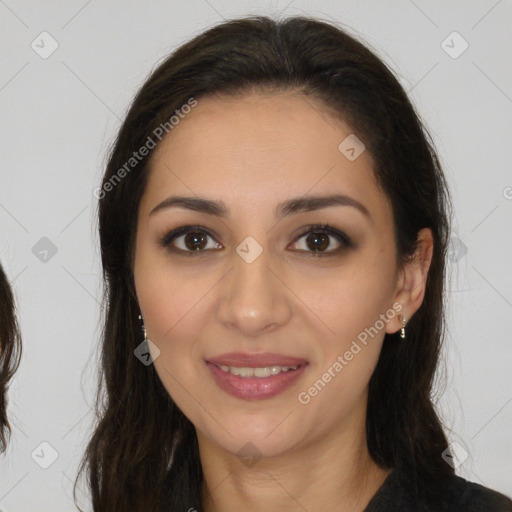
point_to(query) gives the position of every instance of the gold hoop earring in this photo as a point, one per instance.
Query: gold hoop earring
(402, 330)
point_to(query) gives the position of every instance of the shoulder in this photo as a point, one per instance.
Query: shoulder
(467, 496)
(400, 492)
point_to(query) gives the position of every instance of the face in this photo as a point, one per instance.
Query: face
(252, 274)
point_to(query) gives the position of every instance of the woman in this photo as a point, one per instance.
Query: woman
(273, 224)
(10, 352)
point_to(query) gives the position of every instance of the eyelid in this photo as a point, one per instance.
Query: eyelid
(182, 230)
(340, 235)
(344, 240)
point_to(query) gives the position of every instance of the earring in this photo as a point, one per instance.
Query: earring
(402, 330)
(145, 334)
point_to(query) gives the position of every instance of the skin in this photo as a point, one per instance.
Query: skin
(252, 153)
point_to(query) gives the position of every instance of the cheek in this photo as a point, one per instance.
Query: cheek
(173, 301)
(348, 351)
(173, 314)
(355, 306)
(167, 294)
(171, 307)
(350, 298)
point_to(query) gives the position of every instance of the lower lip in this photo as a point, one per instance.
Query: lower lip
(255, 388)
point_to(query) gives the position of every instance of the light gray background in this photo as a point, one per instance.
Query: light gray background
(60, 114)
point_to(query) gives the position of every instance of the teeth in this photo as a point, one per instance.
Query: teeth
(263, 372)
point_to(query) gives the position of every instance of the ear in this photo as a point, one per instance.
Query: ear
(412, 280)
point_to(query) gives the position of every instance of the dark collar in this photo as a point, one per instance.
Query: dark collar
(403, 492)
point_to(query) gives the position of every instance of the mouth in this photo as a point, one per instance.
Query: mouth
(254, 380)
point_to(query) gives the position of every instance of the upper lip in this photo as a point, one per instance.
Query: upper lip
(262, 359)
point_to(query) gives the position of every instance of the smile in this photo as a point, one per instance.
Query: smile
(255, 383)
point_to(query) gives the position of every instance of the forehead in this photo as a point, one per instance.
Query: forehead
(260, 148)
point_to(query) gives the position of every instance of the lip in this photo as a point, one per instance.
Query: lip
(256, 388)
(245, 360)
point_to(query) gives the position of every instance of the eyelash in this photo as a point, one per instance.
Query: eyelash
(341, 237)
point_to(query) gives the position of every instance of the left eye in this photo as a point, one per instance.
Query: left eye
(317, 239)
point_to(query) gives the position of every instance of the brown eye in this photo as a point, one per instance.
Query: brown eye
(195, 241)
(189, 240)
(318, 241)
(323, 240)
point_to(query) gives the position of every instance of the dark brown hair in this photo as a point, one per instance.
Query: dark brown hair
(128, 460)
(10, 352)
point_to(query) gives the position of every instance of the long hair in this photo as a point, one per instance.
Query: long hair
(10, 352)
(143, 454)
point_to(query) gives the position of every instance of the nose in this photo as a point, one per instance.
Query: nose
(254, 299)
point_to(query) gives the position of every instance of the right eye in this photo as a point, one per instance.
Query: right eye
(188, 241)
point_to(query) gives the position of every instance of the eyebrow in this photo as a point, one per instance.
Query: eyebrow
(289, 207)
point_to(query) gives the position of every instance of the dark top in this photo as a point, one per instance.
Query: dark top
(450, 494)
